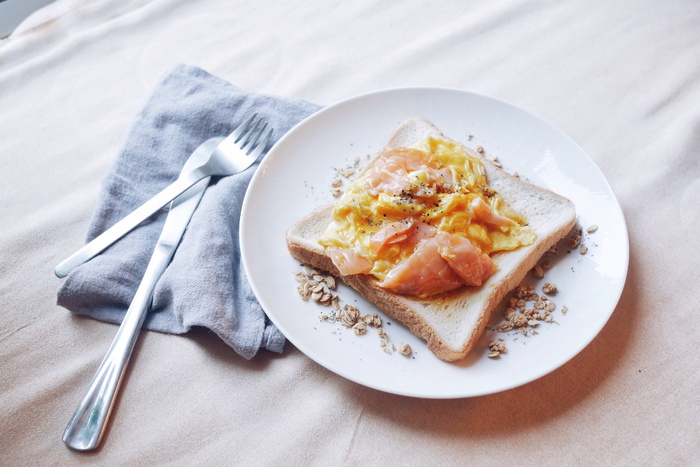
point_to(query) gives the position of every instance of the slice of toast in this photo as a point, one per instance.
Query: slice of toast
(451, 323)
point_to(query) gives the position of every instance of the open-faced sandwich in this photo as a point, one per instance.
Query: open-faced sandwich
(433, 234)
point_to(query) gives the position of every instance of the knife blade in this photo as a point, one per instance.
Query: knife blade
(87, 426)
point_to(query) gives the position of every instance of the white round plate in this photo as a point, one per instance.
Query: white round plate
(295, 178)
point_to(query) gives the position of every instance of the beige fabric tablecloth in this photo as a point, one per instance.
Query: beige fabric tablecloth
(621, 78)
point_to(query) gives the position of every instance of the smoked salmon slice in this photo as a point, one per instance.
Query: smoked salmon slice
(440, 263)
(467, 260)
(393, 232)
(424, 272)
(390, 174)
(348, 261)
(483, 212)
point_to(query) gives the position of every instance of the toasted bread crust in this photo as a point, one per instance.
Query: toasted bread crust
(450, 323)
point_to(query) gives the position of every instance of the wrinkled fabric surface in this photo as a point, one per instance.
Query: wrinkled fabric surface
(205, 283)
(622, 79)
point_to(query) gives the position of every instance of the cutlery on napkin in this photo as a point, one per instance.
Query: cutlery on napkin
(205, 283)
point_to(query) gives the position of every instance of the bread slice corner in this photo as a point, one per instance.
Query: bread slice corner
(453, 322)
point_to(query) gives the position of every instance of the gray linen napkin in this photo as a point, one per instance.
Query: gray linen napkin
(205, 284)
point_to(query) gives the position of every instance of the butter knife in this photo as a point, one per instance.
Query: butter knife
(87, 426)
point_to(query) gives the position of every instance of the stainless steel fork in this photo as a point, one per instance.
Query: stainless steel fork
(232, 155)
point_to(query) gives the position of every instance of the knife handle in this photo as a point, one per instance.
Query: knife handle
(87, 426)
(128, 223)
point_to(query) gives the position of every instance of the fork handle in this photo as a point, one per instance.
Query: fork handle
(87, 426)
(128, 223)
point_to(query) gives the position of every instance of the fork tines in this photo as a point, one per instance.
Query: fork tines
(248, 135)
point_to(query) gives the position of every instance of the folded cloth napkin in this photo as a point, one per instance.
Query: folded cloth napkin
(205, 284)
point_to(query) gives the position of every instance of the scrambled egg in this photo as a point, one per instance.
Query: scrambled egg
(435, 182)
